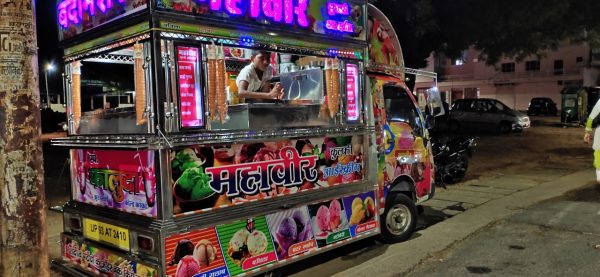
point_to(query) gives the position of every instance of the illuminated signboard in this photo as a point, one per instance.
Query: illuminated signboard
(190, 96)
(78, 16)
(319, 16)
(352, 92)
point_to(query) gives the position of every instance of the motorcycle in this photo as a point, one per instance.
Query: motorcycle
(451, 157)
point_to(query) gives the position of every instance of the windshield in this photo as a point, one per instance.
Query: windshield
(399, 107)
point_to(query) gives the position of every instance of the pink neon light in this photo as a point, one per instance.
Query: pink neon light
(215, 5)
(341, 26)
(72, 11)
(338, 9)
(288, 11)
(87, 5)
(273, 9)
(300, 12)
(254, 8)
(232, 7)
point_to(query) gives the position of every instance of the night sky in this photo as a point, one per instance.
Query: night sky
(47, 33)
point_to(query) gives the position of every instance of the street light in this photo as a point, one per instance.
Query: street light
(49, 67)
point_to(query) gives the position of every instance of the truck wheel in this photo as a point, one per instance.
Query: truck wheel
(399, 220)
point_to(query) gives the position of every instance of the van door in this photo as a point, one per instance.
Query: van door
(407, 140)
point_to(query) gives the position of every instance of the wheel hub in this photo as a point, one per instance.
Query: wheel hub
(398, 219)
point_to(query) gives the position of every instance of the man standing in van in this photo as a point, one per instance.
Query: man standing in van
(254, 81)
(588, 136)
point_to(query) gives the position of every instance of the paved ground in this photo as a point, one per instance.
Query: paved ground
(554, 238)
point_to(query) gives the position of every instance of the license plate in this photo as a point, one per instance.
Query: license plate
(106, 233)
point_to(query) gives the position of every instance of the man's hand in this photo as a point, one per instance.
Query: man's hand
(276, 92)
(587, 137)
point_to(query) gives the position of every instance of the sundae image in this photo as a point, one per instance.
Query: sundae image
(323, 218)
(193, 259)
(335, 210)
(290, 228)
(327, 218)
(244, 245)
(362, 211)
(257, 243)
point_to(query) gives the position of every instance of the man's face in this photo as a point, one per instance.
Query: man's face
(261, 61)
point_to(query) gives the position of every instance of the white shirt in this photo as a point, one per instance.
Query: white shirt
(249, 75)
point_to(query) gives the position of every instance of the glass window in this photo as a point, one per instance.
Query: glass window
(399, 107)
(508, 67)
(532, 66)
(558, 67)
(103, 92)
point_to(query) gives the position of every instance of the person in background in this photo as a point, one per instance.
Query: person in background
(254, 81)
(588, 136)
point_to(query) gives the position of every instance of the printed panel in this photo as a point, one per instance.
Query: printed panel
(361, 213)
(102, 262)
(120, 180)
(196, 254)
(246, 245)
(205, 178)
(292, 232)
(78, 16)
(334, 18)
(329, 222)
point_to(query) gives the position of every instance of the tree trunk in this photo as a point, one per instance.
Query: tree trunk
(23, 232)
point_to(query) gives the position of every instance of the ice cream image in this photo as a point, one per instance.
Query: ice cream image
(358, 211)
(303, 226)
(323, 219)
(287, 233)
(204, 253)
(237, 246)
(257, 243)
(335, 211)
(187, 267)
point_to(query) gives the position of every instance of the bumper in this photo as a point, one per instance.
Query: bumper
(84, 258)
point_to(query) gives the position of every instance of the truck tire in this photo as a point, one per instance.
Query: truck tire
(399, 220)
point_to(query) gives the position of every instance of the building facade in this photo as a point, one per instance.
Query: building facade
(515, 82)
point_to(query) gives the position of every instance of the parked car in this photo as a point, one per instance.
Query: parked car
(542, 106)
(485, 113)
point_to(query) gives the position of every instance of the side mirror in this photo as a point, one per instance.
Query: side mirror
(430, 122)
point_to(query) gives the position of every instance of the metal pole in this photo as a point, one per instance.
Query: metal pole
(47, 94)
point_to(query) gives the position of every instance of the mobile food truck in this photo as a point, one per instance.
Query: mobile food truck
(192, 180)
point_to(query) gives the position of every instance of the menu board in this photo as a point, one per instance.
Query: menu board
(252, 244)
(190, 94)
(352, 89)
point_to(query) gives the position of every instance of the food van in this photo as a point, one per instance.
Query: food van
(191, 179)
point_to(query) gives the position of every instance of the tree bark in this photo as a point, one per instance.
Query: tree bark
(23, 231)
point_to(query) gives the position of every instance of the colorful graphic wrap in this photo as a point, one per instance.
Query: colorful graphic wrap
(246, 244)
(121, 180)
(329, 222)
(102, 262)
(78, 16)
(337, 18)
(384, 47)
(292, 232)
(195, 254)
(211, 177)
(361, 213)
